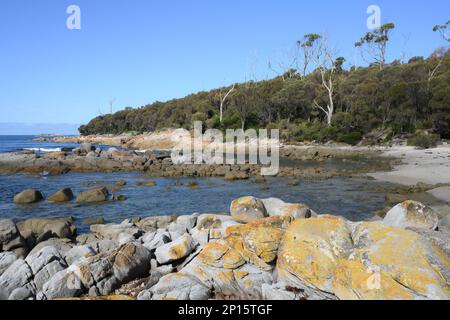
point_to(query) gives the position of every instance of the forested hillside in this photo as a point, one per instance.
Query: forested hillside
(327, 103)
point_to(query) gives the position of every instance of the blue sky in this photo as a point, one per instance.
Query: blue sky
(140, 51)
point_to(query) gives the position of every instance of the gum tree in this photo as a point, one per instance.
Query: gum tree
(375, 44)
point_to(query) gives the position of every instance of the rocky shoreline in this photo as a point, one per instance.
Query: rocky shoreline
(155, 163)
(262, 249)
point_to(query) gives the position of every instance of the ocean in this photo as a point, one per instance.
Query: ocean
(355, 199)
(20, 143)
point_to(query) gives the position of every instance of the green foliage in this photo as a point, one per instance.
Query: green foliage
(424, 141)
(400, 97)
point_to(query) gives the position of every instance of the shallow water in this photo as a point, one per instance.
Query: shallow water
(341, 196)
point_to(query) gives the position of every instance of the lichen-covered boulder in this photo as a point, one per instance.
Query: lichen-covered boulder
(175, 250)
(390, 263)
(277, 207)
(412, 214)
(237, 265)
(247, 209)
(258, 242)
(310, 252)
(28, 196)
(63, 195)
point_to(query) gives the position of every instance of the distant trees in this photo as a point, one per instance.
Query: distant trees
(315, 98)
(375, 44)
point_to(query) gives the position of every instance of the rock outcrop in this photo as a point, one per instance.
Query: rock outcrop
(291, 254)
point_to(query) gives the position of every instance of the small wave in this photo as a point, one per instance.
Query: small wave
(43, 149)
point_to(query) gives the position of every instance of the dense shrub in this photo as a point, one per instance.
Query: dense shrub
(424, 141)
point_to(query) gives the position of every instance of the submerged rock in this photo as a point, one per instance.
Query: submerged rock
(63, 195)
(94, 195)
(28, 196)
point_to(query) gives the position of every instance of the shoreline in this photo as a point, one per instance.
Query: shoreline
(430, 166)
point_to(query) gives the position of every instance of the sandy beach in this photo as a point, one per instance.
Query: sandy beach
(431, 166)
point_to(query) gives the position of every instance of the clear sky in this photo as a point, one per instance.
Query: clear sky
(140, 51)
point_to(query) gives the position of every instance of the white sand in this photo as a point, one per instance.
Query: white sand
(430, 166)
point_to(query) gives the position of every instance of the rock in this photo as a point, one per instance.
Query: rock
(94, 220)
(224, 270)
(105, 272)
(179, 287)
(62, 245)
(45, 264)
(154, 239)
(175, 250)
(86, 147)
(121, 183)
(119, 198)
(28, 196)
(131, 262)
(64, 284)
(236, 175)
(391, 264)
(154, 223)
(412, 214)
(77, 253)
(247, 209)
(146, 184)
(237, 265)
(281, 291)
(445, 222)
(10, 238)
(211, 227)
(310, 252)
(38, 260)
(6, 260)
(37, 230)
(277, 207)
(183, 224)
(63, 195)
(94, 195)
(18, 275)
(112, 231)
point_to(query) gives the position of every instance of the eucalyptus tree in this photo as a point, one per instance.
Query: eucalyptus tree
(375, 43)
